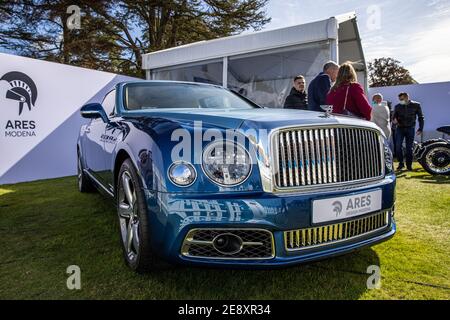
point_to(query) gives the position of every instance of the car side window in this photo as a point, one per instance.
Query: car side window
(109, 103)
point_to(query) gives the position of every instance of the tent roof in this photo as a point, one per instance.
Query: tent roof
(342, 27)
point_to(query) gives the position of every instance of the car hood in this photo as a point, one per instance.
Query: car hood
(263, 118)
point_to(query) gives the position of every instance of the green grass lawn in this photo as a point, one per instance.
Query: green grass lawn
(47, 225)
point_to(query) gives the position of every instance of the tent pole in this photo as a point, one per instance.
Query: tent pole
(225, 72)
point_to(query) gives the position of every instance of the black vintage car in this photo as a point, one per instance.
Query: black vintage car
(434, 155)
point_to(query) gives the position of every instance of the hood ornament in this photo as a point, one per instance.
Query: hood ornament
(328, 110)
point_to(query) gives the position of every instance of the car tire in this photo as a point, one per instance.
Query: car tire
(430, 161)
(133, 220)
(85, 184)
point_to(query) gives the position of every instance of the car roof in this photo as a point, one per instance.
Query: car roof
(169, 81)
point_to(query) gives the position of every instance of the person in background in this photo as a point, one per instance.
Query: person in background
(320, 86)
(393, 127)
(381, 115)
(297, 98)
(347, 95)
(405, 114)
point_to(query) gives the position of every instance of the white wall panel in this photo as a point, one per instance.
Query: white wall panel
(434, 98)
(40, 142)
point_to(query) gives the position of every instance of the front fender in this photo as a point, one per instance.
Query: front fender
(149, 145)
(80, 144)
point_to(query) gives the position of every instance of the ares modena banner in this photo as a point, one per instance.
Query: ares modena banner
(40, 121)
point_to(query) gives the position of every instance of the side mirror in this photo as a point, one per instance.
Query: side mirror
(93, 111)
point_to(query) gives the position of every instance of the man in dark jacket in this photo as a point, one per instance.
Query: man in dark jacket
(405, 115)
(321, 85)
(298, 98)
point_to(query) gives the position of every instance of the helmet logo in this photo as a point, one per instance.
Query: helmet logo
(23, 89)
(337, 208)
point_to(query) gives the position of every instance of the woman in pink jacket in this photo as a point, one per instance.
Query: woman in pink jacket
(347, 95)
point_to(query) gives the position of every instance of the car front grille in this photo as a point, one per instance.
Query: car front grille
(325, 235)
(256, 244)
(318, 156)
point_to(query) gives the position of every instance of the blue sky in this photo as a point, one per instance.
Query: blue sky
(416, 32)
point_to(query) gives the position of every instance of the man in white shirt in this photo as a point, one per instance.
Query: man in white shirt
(381, 114)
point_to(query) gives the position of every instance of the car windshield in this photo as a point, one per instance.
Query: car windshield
(181, 95)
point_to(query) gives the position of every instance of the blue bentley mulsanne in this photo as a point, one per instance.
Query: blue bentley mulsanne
(201, 175)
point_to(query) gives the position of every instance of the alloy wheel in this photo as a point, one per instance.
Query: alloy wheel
(128, 216)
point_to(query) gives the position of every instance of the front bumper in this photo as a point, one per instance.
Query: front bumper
(172, 216)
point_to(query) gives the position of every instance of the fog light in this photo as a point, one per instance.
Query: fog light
(227, 243)
(182, 174)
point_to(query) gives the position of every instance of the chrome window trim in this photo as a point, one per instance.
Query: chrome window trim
(274, 134)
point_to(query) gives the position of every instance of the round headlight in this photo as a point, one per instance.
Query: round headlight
(226, 163)
(182, 174)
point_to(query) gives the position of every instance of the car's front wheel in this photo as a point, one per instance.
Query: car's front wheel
(436, 159)
(133, 220)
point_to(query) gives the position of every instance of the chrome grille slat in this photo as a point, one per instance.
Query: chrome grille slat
(336, 154)
(378, 143)
(296, 163)
(366, 172)
(375, 146)
(369, 153)
(318, 156)
(344, 155)
(361, 154)
(348, 159)
(335, 233)
(290, 165)
(347, 156)
(372, 165)
(358, 153)
(327, 155)
(323, 156)
(283, 159)
(302, 158)
(313, 157)
(307, 158)
(373, 152)
(351, 149)
(369, 160)
(346, 167)
(354, 137)
(352, 154)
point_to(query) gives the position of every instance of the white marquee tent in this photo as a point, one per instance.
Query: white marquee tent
(261, 65)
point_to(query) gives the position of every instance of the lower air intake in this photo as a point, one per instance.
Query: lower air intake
(204, 243)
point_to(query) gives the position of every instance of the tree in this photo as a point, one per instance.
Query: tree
(39, 29)
(162, 24)
(116, 33)
(385, 72)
